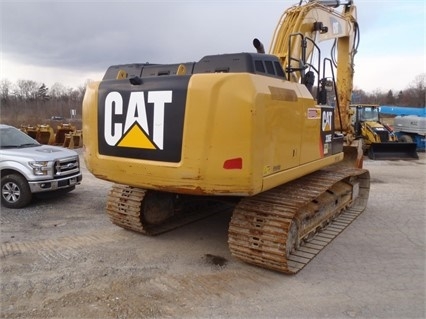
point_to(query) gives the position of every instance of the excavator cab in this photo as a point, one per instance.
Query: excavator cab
(380, 142)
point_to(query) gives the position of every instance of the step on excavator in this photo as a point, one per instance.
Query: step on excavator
(249, 132)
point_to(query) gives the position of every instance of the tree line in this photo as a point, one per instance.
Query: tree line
(413, 96)
(29, 102)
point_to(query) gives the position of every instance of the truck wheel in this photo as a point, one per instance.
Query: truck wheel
(406, 139)
(15, 192)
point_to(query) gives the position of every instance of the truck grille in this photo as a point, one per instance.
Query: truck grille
(66, 166)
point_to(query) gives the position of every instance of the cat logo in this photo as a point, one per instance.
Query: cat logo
(135, 131)
(327, 119)
(142, 122)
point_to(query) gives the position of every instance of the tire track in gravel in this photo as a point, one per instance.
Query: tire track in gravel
(206, 290)
(59, 248)
(18, 217)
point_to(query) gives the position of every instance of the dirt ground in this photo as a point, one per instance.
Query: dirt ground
(62, 258)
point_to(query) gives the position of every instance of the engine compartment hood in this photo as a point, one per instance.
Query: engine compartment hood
(375, 125)
(38, 153)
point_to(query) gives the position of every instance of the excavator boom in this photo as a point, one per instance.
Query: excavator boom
(318, 22)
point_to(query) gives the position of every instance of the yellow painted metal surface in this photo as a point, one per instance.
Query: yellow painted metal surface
(235, 141)
(339, 26)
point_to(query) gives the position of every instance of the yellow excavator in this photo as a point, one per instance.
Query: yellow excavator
(251, 132)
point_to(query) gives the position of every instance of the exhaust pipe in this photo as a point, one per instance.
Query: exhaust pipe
(258, 45)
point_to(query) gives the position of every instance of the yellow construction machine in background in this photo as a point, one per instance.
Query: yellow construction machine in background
(66, 135)
(380, 142)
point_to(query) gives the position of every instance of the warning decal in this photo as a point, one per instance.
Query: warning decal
(313, 113)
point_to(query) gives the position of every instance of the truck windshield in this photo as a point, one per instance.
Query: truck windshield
(11, 137)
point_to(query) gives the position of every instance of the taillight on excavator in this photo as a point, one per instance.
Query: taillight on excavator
(233, 163)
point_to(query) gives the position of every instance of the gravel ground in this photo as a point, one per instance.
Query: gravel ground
(62, 258)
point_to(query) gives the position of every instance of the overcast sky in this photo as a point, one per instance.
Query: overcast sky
(72, 41)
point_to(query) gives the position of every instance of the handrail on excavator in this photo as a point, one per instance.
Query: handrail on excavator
(331, 3)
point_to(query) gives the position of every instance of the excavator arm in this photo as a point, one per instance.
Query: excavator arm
(296, 38)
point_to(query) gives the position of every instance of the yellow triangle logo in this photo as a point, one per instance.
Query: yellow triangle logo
(136, 137)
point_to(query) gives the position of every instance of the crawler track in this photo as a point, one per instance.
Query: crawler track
(124, 208)
(284, 228)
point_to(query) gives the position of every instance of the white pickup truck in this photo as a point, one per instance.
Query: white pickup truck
(28, 167)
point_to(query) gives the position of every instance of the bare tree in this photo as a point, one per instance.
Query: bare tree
(390, 99)
(5, 89)
(359, 96)
(418, 91)
(27, 89)
(58, 90)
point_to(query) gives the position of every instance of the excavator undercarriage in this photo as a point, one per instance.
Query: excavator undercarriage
(284, 228)
(153, 212)
(281, 229)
